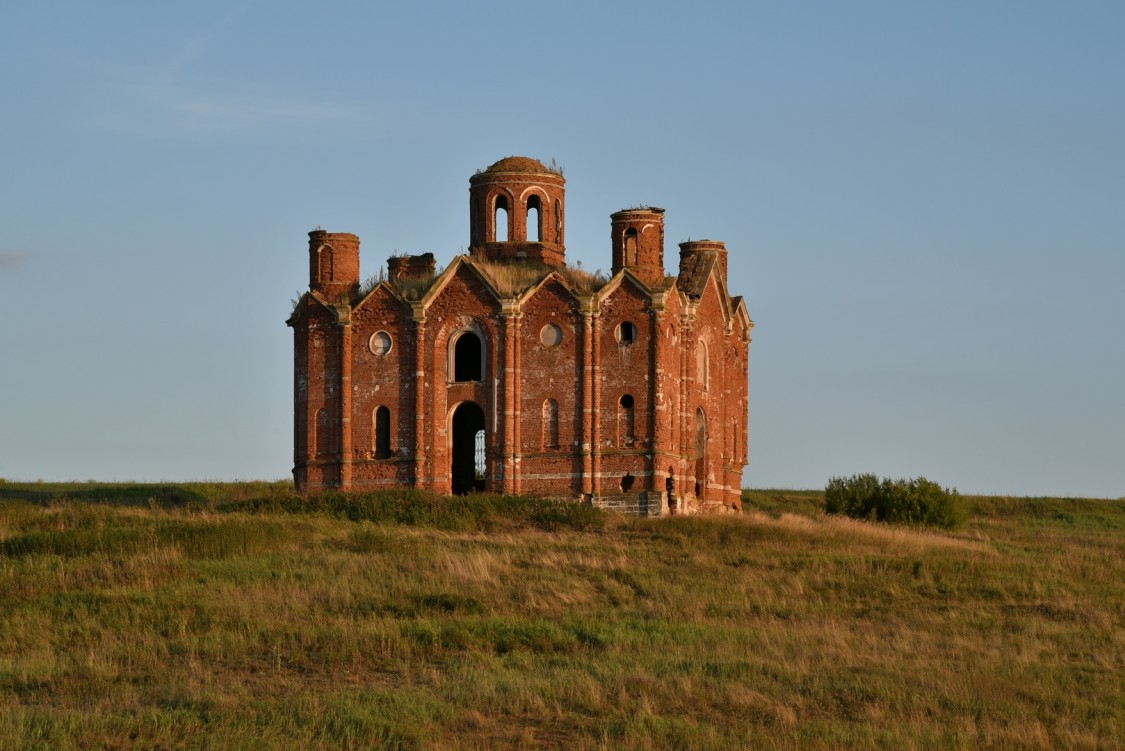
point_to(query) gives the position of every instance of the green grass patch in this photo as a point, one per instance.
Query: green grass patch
(777, 502)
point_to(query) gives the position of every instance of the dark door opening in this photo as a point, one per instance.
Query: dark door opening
(468, 466)
(700, 455)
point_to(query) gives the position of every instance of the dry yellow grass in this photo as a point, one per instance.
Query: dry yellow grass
(842, 527)
(512, 278)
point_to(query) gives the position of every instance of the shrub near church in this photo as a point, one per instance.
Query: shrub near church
(917, 501)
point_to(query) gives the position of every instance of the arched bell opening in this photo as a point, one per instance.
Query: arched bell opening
(501, 219)
(534, 219)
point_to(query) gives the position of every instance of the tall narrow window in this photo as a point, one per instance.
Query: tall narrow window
(702, 365)
(501, 219)
(558, 238)
(322, 439)
(382, 433)
(534, 219)
(625, 421)
(550, 424)
(468, 356)
(474, 222)
(738, 430)
(324, 263)
(700, 454)
(631, 247)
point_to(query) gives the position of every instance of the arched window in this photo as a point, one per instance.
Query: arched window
(626, 423)
(382, 433)
(324, 263)
(558, 223)
(550, 424)
(468, 358)
(322, 438)
(738, 430)
(631, 247)
(534, 219)
(700, 454)
(500, 222)
(702, 365)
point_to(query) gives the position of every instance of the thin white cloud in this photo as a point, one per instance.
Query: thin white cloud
(165, 98)
(176, 107)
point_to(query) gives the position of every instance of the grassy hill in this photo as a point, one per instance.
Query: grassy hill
(245, 616)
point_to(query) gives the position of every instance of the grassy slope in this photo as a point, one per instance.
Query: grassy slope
(213, 616)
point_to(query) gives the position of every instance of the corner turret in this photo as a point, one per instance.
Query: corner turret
(638, 242)
(333, 264)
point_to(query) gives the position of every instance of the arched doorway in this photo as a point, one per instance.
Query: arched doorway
(700, 454)
(467, 456)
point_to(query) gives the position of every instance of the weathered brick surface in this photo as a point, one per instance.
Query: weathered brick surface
(632, 396)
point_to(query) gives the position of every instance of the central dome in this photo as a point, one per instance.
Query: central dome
(519, 164)
(516, 211)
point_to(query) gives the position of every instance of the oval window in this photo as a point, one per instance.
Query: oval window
(551, 336)
(380, 343)
(626, 332)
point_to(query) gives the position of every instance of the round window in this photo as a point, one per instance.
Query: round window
(551, 335)
(380, 343)
(626, 333)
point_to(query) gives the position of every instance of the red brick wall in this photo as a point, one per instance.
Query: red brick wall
(550, 373)
(316, 386)
(624, 369)
(464, 302)
(382, 381)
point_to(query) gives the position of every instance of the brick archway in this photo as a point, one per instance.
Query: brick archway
(468, 471)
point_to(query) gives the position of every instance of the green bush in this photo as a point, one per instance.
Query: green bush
(917, 501)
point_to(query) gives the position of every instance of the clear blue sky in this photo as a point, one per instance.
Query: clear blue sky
(924, 204)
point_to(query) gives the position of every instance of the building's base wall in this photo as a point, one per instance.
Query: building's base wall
(639, 504)
(551, 473)
(376, 474)
(317, 476)
(551, 479)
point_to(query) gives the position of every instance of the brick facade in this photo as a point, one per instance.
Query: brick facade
(511, 372)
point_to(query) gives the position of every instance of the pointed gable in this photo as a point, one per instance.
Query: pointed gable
(554, 287)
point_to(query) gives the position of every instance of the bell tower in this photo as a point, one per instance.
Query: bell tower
(516, 212)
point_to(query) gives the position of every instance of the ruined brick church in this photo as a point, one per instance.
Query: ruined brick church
(512, 372)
